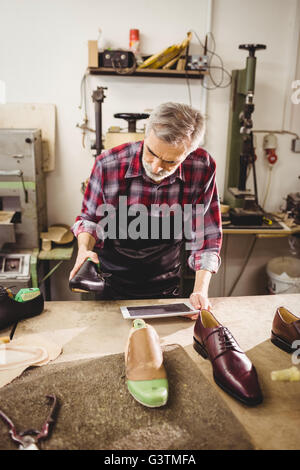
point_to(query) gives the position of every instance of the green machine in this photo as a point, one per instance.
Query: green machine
(240, 150)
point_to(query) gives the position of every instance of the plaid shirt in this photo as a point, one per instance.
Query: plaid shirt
(120, 171)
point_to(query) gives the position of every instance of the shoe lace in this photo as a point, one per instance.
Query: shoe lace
(227, 341)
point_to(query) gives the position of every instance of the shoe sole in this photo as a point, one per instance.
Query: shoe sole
(146, 404)
(237, 397)
(200, 349)
(144, 392)
(281, 343)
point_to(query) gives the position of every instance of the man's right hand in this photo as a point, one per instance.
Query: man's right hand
(83, 254)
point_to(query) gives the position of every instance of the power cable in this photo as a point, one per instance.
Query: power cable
(275, 132)
(210, 66)
(268, 187)
(243, 267)
(189, 88)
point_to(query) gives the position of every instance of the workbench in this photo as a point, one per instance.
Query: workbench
(89, 329)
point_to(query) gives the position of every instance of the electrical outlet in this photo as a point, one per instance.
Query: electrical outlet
(296, 145)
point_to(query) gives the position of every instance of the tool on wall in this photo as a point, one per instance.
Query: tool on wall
(114, 137)
(240, 145)
(98, 98)
(122, 61)
(83, 105)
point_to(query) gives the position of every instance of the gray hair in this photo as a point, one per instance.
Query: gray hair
(177, 123)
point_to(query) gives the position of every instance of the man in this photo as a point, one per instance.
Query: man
(168, 168)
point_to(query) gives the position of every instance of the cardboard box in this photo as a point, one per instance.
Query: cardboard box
(93, 54)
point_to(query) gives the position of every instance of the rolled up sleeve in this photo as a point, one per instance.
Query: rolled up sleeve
(88, 220)
(208, 255)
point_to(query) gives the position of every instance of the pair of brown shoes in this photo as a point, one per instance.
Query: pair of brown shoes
(232, 369)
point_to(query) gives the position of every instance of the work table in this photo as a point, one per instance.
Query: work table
(89, 329)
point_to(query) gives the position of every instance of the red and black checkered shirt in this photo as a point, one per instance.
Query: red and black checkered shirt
(120, 171)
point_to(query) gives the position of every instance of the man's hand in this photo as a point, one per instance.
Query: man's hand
(86, 244)
(199, 300)
(199, 297)
(81, 257)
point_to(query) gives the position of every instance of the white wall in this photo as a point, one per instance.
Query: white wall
(43, 56)
(270, 22)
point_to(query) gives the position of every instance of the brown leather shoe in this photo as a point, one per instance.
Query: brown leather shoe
(232, 369)
(285, 329)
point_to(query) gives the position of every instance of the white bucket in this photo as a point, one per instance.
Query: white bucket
(284, 275)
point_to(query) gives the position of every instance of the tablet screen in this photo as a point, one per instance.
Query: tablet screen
(159, 310)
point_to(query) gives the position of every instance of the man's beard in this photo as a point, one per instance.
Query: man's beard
(157, 177)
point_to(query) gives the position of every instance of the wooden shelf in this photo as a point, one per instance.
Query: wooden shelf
(193, 74)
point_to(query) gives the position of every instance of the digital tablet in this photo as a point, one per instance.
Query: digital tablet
(158, 311)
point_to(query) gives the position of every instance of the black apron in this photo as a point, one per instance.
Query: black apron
(142, 268)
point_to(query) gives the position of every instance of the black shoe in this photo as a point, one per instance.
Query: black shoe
(14, 309)
(88, 278)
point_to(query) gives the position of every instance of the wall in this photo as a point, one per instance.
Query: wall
(237, 23)
(43, 56)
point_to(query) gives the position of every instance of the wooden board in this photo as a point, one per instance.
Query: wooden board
(193, 74)
(33, 115)
(6, 216)
(113, 139)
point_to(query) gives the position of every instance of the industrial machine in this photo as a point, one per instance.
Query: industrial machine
(115, 136)
(240, 145)
(15, 270)
(23, 210)
(293, 206)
